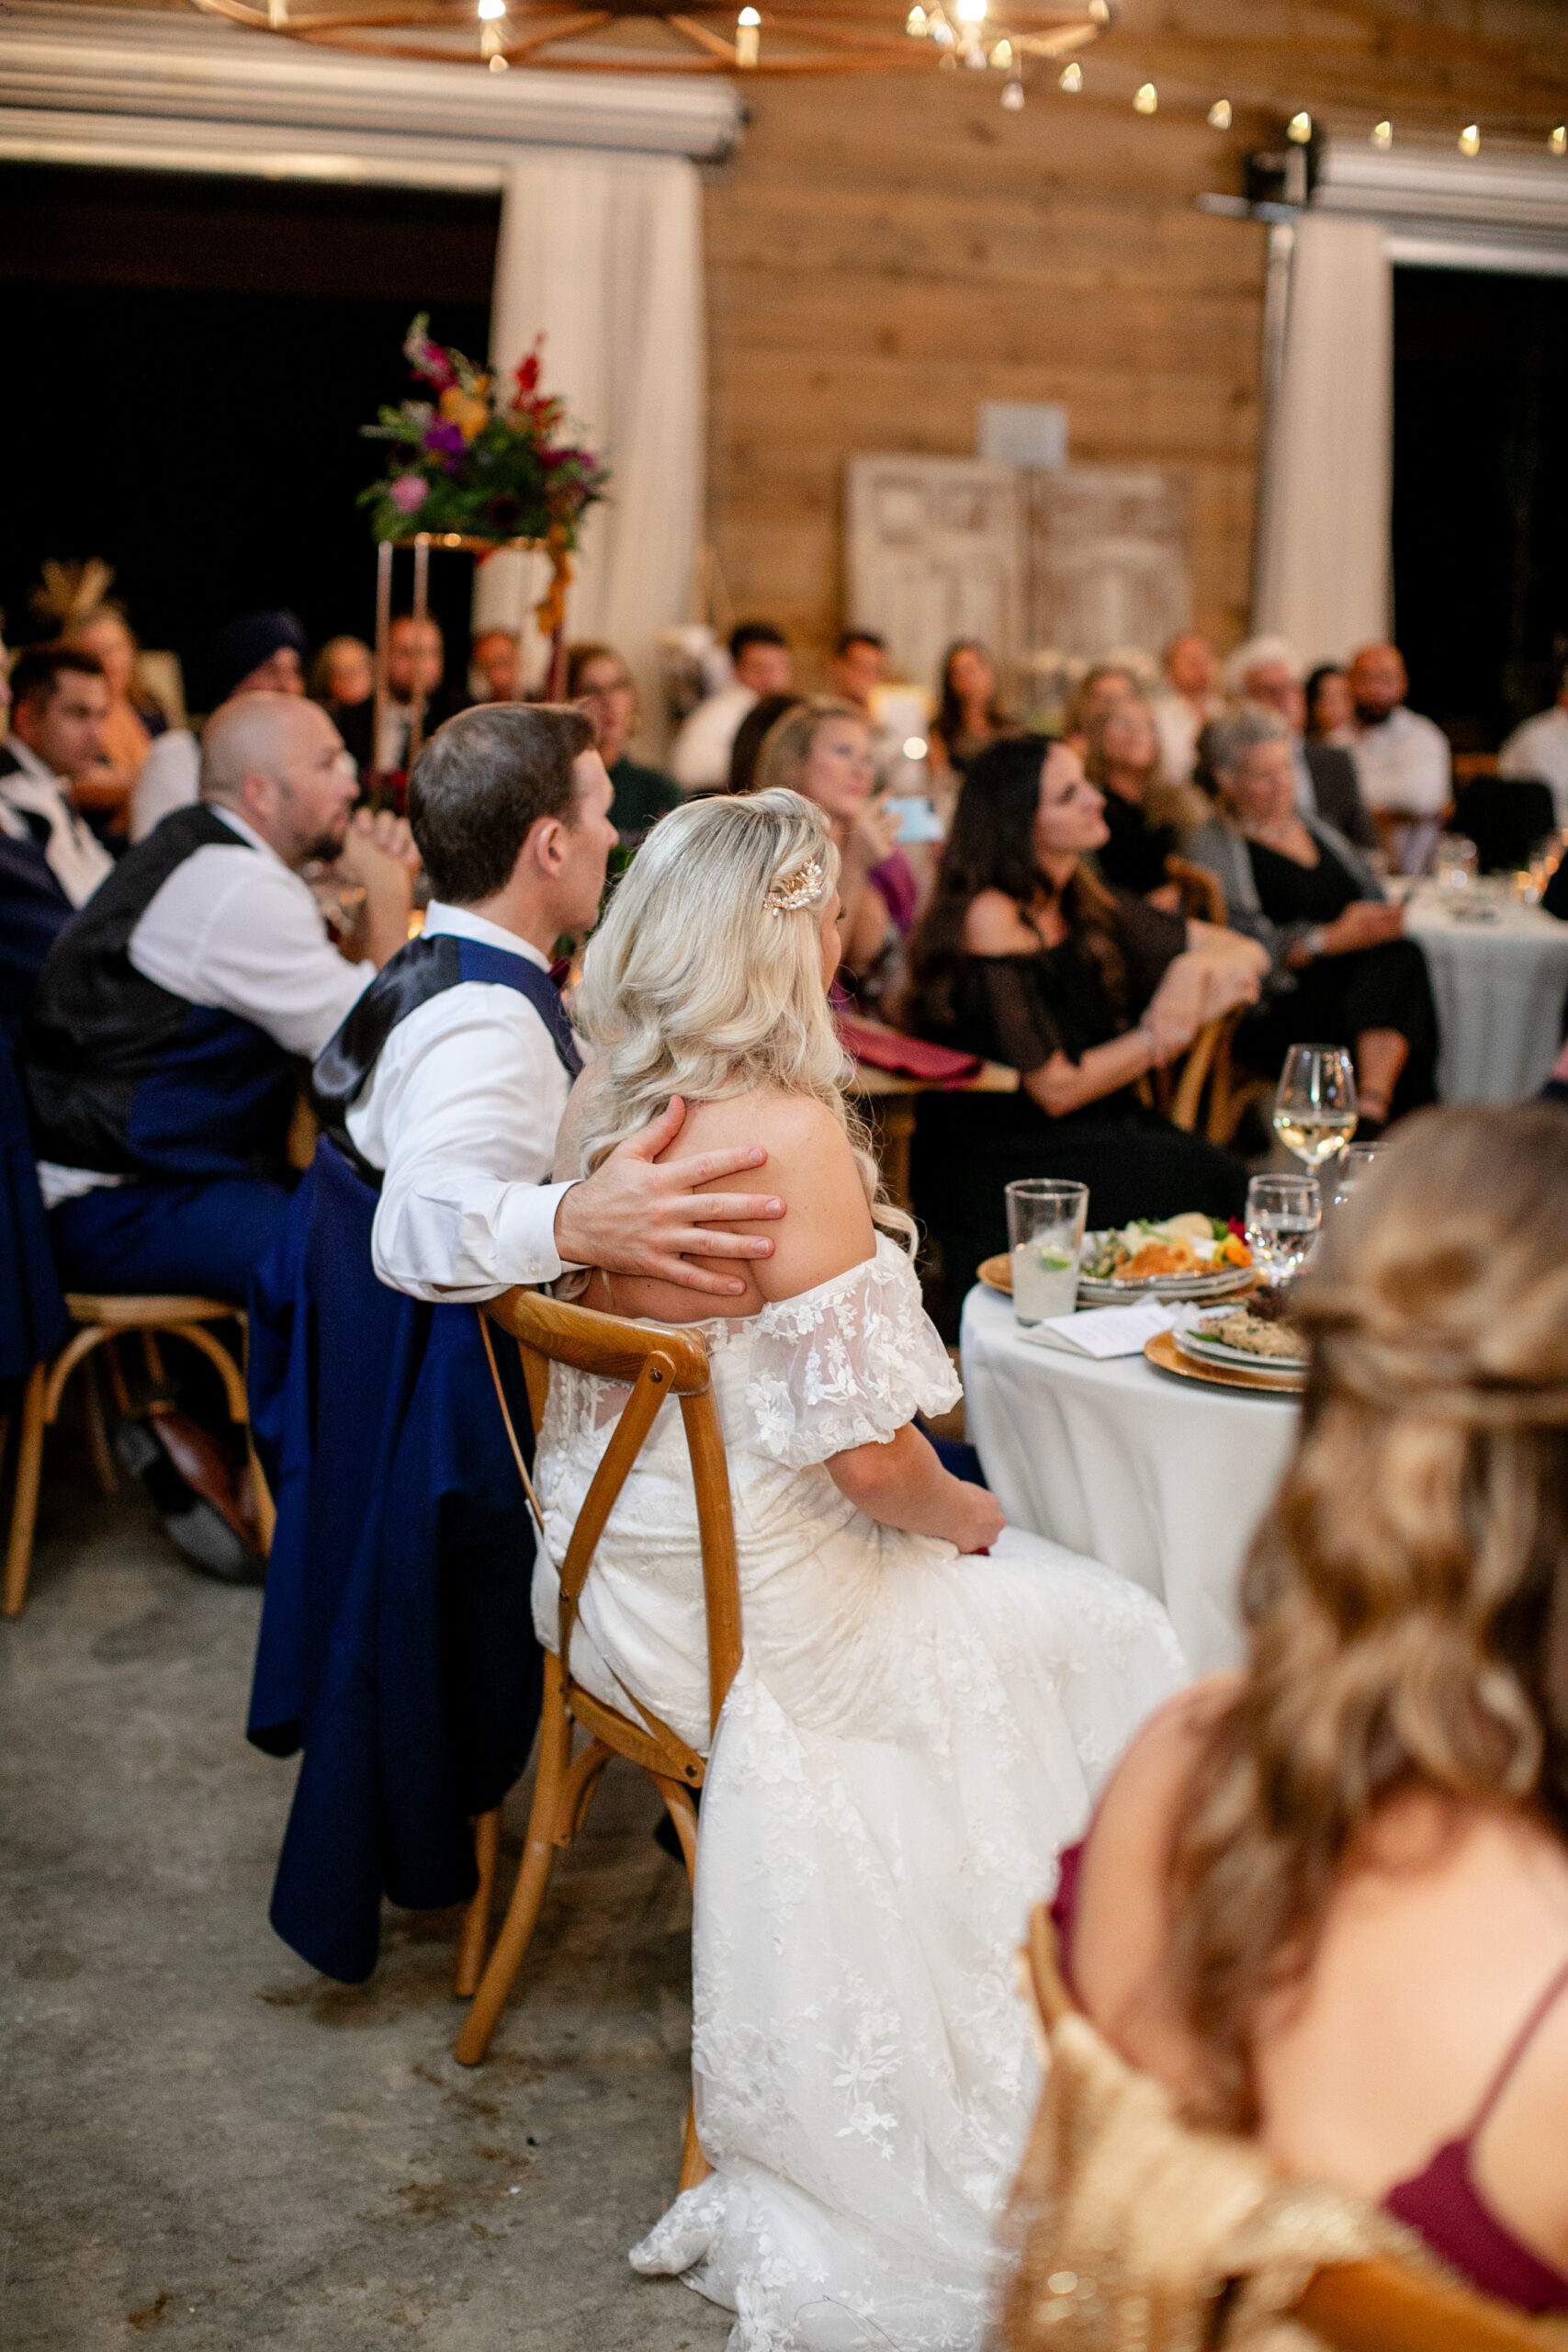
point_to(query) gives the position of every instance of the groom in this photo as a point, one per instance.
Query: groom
(396, 1645)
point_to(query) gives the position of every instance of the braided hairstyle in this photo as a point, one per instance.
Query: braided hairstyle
(1406, 1598)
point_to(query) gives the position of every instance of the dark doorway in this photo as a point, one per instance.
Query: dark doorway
(1480, 495)
(191, 359)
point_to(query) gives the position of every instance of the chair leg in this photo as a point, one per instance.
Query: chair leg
(528, 1895)
(24, 1509)
(694, 2165)
(100, 1452)
(475, 1919)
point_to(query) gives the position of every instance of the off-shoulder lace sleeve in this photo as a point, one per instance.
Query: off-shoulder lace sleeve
(847, 1364)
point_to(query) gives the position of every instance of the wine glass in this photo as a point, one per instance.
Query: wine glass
(1315, 1104)
(1284, 1215)
(1357, 1160)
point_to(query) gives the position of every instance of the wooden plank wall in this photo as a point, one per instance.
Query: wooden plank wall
(884, 252)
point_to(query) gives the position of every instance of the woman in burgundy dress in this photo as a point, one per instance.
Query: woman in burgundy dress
(1326, 1900)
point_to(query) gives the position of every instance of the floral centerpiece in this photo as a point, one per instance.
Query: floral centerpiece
(470, 464)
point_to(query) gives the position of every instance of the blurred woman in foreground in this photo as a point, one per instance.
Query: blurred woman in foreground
(1326, 1901)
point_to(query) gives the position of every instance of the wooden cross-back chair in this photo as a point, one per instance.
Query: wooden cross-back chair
(655, 1361)
(1379, 2304)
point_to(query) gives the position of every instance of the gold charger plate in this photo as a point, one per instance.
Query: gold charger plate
(1165, 1356)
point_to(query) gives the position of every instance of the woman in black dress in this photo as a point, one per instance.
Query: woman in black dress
(1026, 957)
(1145, 816)
(1341, 972)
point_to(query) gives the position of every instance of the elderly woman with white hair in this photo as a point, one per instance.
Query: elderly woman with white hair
(1340, 970)
(928, 1699)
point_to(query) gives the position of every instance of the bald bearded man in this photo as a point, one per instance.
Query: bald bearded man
(172, 1018)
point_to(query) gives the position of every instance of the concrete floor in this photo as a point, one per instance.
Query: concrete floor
(204, 2143)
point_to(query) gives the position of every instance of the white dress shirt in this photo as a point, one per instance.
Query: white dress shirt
(1405, 764)
(461, 1110)
(170, 778)
(75, 856)
(1177, 724)
(240, 932)
(1540, 748)
(699, 757)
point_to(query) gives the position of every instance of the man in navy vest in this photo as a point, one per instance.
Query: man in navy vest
(163, 1057)
(397, 1644)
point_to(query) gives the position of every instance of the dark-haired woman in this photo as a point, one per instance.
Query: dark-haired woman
(970, 712)
(1326, 1901)
(1024, 957)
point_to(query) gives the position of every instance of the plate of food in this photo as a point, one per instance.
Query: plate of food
(1253, 1337)
(1186, 1257)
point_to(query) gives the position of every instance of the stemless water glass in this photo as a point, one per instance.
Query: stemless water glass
(1315, 1104)
(1283, 1214)
(1356, 1161)
(1045, 1223)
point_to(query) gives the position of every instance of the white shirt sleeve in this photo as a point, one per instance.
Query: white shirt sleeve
(462, 1113)
(170, 778)
(234, 928)
(699, 757)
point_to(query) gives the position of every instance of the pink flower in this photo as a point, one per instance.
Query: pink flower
(408, 492)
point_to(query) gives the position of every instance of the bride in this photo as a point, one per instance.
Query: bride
(914, 1731)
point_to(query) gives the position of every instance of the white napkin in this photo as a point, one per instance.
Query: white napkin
(1103, 1331)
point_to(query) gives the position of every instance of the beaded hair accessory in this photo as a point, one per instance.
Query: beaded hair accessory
(788, 897)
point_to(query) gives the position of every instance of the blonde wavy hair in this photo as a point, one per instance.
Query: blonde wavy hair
(705, 978)
(1407, 1599)
(788, 744)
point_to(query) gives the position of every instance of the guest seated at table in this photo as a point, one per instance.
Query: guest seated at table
(598, 678)
(1268, 671)
(1143, 815)
(1403, 760)
(761, 663)
(1538, 749)
(396, 1644)
(1324, 1901)
(159, 1061)
(1330, 706)
(1341, 971)
(908, 1724)
(416, 661)
(970, 710)
(343, 674)
(256, 654)
(495, 666)
(751, 736)
(134, 723)
(1103, 684)
(60, 702)
(821, 749)
(1024, 957)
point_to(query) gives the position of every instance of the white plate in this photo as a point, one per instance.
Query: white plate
(1204, 1349)
(1104, 1290)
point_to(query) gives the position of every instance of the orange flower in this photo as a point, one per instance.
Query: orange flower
(467, 411)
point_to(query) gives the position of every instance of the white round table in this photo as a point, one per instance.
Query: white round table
(1162, 1479)
(1498, 987)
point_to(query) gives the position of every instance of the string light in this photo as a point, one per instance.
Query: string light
(1001, 56)
(1298, 131)
(489, 10)
(1220, 115)
(971, 11)
(1557, 142)
(1382, 137)
(747, 38)
(1470, 139)
(915, 24)
(1072, 78)
(1147, 100)
(499, 64)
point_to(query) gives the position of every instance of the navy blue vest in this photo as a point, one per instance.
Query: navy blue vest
(125, 1076)
(423, 969)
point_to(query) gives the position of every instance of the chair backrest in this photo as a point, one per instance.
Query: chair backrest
(1377, 2305)
(655, 1361)
(1202, 893)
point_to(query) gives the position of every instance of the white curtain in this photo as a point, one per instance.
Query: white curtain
(1324, 560)
(604, 253)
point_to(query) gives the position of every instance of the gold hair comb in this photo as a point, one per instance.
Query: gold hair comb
(788, 897)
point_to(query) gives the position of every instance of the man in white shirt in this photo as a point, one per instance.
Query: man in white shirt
(1185, 704)
(1403, 760)
(699, 757)
(60, 700)
(161, 1060)
(257, 653)
(1540, 748)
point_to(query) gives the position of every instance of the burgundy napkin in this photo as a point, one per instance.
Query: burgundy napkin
(881, 1049)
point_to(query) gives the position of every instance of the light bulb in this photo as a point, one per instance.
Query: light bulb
(1147, 100)
(1001, 56)
(915, 745)
(491, 10)
(1101, 11)
(1557, 142)
(1382, 137)
(497, 65)
(1013, 98)
(1470, 139)
(1299, 130)
(942, 31)
(1220, 115)
(915, 24)
(1072, 78)
(748, 39)
(971, 11)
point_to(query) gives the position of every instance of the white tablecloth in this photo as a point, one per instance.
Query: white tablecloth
(1161, 1479)
(1499, 990)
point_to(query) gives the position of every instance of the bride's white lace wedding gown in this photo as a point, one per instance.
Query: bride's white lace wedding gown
(911, 1740)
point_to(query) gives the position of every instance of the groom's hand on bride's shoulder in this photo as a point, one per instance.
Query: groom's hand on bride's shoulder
(633, 1216)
